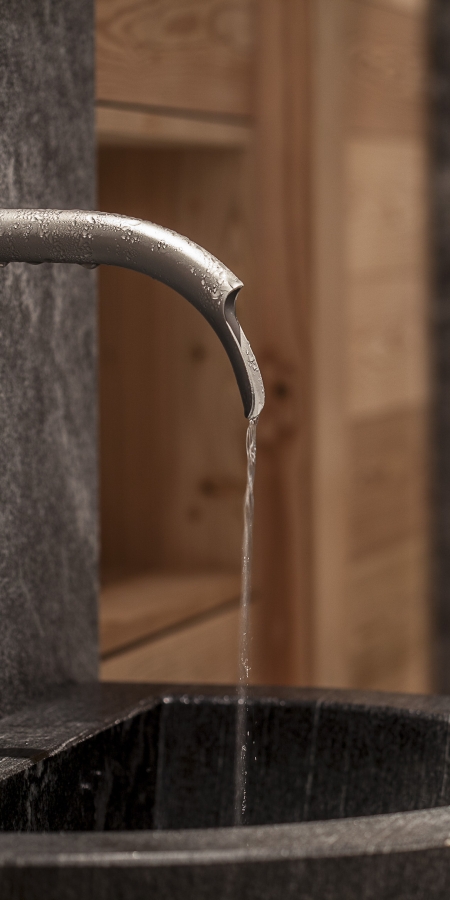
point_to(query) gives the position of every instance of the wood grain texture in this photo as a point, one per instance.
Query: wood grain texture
(388, 465)
(136, 431)
(183, 54)
(282, 341)
(388, 620)
(387, 598)
(172, 428)
(118, 126)
(329, 339)
(207, 486)
(388, 364)
(140, 607)
(386, 224)
(203, 653)
(386, 58)
(338, 209)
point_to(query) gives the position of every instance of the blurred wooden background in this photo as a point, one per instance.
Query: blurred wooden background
(290, 139)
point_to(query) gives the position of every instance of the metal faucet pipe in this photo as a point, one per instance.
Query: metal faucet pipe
(94, 238)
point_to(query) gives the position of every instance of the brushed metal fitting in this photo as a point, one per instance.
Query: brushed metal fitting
(93, 238)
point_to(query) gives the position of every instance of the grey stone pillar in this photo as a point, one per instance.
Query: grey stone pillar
(48, 476)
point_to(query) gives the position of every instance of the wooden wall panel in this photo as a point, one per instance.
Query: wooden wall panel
(329, 346)
(388, 384)
(388, 640)
(208, 486)
(172, 425)
(387, 367)
(387, 488)
(134, 344)
(384, 49)
(414, 7)
(281, 336)
(386, 223)
(336, 313)
(188, 55)
(146, 606)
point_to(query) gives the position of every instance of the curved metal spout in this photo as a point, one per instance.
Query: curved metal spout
(92, 238)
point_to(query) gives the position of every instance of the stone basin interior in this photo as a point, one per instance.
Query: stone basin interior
(169, 764)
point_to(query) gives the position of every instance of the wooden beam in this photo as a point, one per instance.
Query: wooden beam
(182, 54)
(386, 601)
(330, 664)
(117, 126)
(300, 544)
(281, 332)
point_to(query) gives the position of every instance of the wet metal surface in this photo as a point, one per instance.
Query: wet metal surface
(91, 238)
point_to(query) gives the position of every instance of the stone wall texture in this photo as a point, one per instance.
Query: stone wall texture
(48, 461)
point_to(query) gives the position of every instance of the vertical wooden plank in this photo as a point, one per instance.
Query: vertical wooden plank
(389, 631)
(282, 329)
(387, 598)
(388, 343)
(388, 490)
(136, 431)
(330, 348)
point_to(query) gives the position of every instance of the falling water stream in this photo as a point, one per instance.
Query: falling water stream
(241, 753)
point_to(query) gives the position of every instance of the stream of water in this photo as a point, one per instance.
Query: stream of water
(241, 753)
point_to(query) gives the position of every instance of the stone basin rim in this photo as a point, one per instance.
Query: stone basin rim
(66, 715)
(377, 835)
(90, 708)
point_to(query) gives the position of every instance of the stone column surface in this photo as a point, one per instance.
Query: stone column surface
(48, 424)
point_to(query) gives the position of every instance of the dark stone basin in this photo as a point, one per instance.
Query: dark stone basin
(126, 791)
